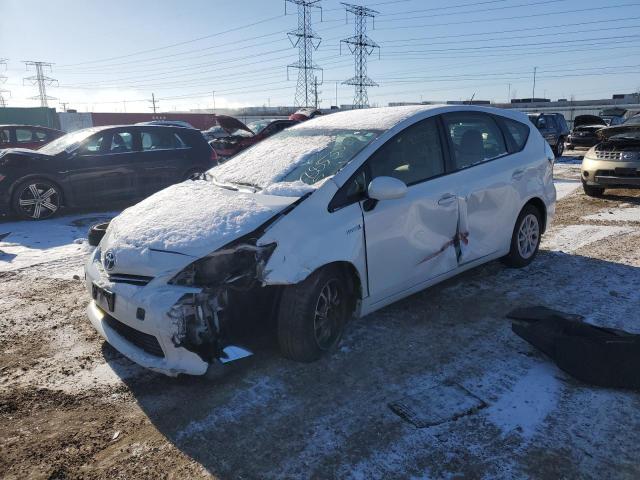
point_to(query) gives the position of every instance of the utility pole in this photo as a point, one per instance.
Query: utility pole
(535, 70)
(306, 41)
(509, 94)
(41, 80)
(361, 46)
(3, 78)
(214, 100)
(337, 95)
(64, 106)
(153, 102)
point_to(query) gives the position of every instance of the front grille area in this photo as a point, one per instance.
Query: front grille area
(605, 155)
(130, 279)
(146, 342)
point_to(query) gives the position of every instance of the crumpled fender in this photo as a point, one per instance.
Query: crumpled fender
(310, 237)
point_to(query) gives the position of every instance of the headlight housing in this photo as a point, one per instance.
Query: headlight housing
(238, 265)
(591, 154)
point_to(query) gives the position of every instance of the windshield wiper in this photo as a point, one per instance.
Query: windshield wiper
(235, 186)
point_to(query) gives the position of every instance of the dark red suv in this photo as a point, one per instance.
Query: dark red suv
(27, 136)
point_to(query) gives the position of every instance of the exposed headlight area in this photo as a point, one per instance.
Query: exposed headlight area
(591, 154)
(229, 279)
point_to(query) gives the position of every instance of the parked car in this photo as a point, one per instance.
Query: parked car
(27, 136)
(615, 161)
(613, 116)
(335, 217)
(584, 133)
(99, 166)
(304, 114)
(241, 136)
(168, 123)
(553, 128)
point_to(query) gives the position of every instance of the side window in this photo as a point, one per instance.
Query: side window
(178, 142)
(159, 139)
(24, 135)
(121, 142)
(475, 138)
(40, 136)
(413, 155)
(93, 144)
(519, 132)
(5, 136)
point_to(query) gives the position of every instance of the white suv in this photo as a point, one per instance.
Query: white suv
(335, 217)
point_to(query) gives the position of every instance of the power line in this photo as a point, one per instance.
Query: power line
(41, 80)
(307, 41)
(361, 46)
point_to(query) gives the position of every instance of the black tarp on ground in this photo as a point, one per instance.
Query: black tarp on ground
(601, 356)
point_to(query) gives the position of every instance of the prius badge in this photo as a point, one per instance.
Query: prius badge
(109, 260)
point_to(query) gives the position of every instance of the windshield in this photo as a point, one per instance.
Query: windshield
(296, 155)
(258, 125)
(69, 142)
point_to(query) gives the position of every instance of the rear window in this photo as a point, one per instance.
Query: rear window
(519, 132)
(24, 135)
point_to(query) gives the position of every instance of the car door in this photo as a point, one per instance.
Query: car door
(164, 159)
(485, 176)
(102, 169)
(412, 239)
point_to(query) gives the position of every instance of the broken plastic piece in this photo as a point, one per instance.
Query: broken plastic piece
(233, 352)
(601, 356)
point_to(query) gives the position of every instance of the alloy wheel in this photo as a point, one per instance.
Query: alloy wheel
(327, 319)
(39, 200)
(528, 236)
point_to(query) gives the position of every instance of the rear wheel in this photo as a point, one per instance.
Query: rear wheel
(37, 199)
(526, 237)
(558, 150)
(313, 314)
(592, 191)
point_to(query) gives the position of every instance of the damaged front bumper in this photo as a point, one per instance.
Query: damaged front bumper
(157, 325)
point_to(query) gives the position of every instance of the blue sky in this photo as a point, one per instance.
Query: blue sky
(110, 56)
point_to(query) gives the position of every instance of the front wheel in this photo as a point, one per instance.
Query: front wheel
(37, 199)
(526, 237)
(313, 314)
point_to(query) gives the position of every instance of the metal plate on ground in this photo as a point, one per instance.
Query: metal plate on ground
(436, 405)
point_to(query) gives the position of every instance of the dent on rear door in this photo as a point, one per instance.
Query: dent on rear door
(486, 204)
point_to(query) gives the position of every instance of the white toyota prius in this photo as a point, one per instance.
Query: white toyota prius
(333, 218)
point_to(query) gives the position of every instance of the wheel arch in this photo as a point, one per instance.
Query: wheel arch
(539, 204)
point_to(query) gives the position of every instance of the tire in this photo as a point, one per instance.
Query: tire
(558, 150)
(525, 240)
(592, 191)
(304, 334)
(36, 199)
(96, 232)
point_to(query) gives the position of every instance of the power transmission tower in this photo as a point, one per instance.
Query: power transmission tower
(316, 92)
(41, 80)
(3, 78)
(307, 41)
(153, 102)
(361, 46)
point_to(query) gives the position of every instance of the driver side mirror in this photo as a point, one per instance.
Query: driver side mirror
(386, 188)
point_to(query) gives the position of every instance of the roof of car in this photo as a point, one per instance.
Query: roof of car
(384, 118)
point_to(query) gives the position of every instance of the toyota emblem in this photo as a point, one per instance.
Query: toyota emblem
(109, 260)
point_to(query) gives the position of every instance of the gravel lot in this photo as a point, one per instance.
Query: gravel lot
(72, 407)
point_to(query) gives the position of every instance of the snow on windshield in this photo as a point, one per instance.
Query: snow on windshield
(68, 141)
(304, 156)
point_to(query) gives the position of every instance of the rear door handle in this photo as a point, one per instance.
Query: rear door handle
(446, 199)
(517, 175)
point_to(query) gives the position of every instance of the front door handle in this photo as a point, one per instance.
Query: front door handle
(517, 175)
(446, 199)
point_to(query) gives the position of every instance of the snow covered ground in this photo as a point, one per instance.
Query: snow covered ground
(74, 407)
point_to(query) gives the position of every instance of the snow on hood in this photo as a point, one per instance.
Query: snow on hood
(191, 218)
(382, 118)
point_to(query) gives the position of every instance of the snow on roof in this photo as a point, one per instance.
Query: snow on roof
(382, 118)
